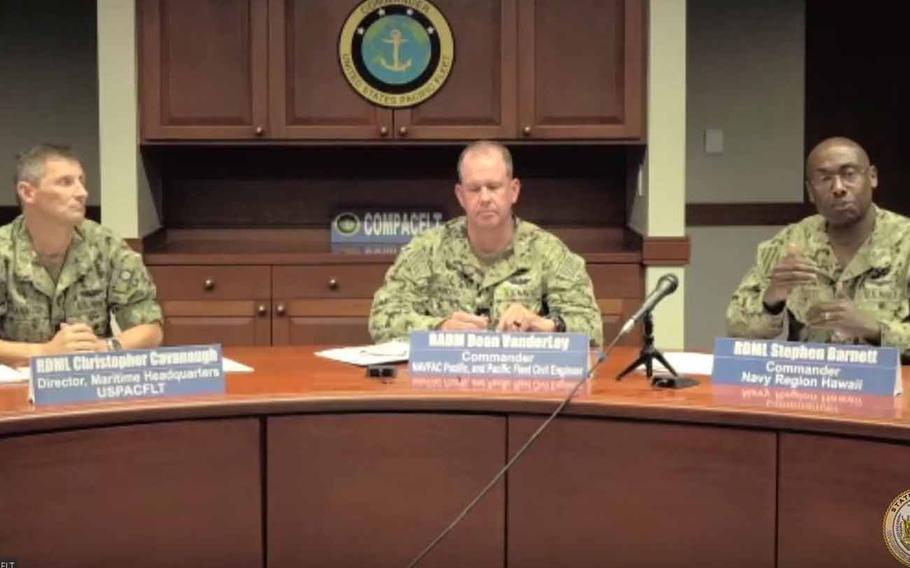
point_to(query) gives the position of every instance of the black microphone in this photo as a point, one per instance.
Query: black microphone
(666, 285)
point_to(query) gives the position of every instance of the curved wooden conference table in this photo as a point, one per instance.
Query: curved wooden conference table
(306, 462)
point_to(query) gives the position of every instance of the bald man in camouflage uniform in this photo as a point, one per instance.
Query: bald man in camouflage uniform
(488, 269)
(62, 276)
(841, 276)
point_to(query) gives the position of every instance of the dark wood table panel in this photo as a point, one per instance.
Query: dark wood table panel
(180, 493)
(373, 490)
(620, 493)
(834, 493)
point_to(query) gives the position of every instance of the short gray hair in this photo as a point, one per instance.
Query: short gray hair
(486, 146)
(30, 164)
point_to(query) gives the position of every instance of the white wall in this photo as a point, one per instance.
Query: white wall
(660, 211)
(746, 69)
(746, 77)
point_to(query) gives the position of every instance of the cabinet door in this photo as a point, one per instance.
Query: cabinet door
(310, 98)
(214, 304)
(581, 69)
(478, 100)
(618, 289)
(324, 304)
(203, 69)
(227, 323)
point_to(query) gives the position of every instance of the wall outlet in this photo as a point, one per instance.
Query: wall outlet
(714, 141)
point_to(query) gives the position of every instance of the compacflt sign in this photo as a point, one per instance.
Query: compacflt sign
(382, 227)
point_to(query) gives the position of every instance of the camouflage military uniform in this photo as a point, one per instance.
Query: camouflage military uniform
(876, 280)
(438, 274)
(100, 275)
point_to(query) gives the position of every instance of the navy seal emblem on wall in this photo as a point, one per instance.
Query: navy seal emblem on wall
(396, 53)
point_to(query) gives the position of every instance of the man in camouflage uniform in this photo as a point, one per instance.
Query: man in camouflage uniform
(487, 269)
(841, 276)
(61, 276)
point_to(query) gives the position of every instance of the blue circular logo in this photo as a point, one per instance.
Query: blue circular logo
(396, 53)
(396, 49)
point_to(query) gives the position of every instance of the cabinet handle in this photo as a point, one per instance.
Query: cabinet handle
(403, 131)
(262, 310)
(526, 130)
(209, 284)
(383, 130)
(259, 131)
(280, 309)
(333, 284)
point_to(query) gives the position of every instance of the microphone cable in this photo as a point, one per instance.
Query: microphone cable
(464, 512)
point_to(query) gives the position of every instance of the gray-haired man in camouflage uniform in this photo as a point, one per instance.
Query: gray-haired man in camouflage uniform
(842, 276)
(62, 276)
(487, 269)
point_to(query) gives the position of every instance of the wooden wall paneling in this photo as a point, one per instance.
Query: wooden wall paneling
(617, 493)
(140, 495)
(834, 493)
(373, 490)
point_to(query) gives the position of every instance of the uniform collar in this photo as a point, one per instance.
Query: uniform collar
(29, 268)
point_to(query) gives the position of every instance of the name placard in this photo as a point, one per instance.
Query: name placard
(856, 369)
(122, 375)
(499, 355)
(786, 399)
(500, 385)
(382, 227)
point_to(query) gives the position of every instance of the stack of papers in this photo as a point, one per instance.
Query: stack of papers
(10, 375)
(388, 352)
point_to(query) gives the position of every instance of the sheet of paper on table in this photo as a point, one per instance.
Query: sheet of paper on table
(363, 355)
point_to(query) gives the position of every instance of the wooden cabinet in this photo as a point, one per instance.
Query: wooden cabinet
(203, 69)
(230, 305)
(267, 305)
(324, 304)
(311, 99)
(581, 69)
(247, 69)
(309, 96)
(478, 99)
(317, 304)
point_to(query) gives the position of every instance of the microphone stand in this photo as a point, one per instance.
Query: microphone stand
(648, 353)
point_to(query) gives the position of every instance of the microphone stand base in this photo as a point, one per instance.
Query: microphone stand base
(648, 353)
(672, 382)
